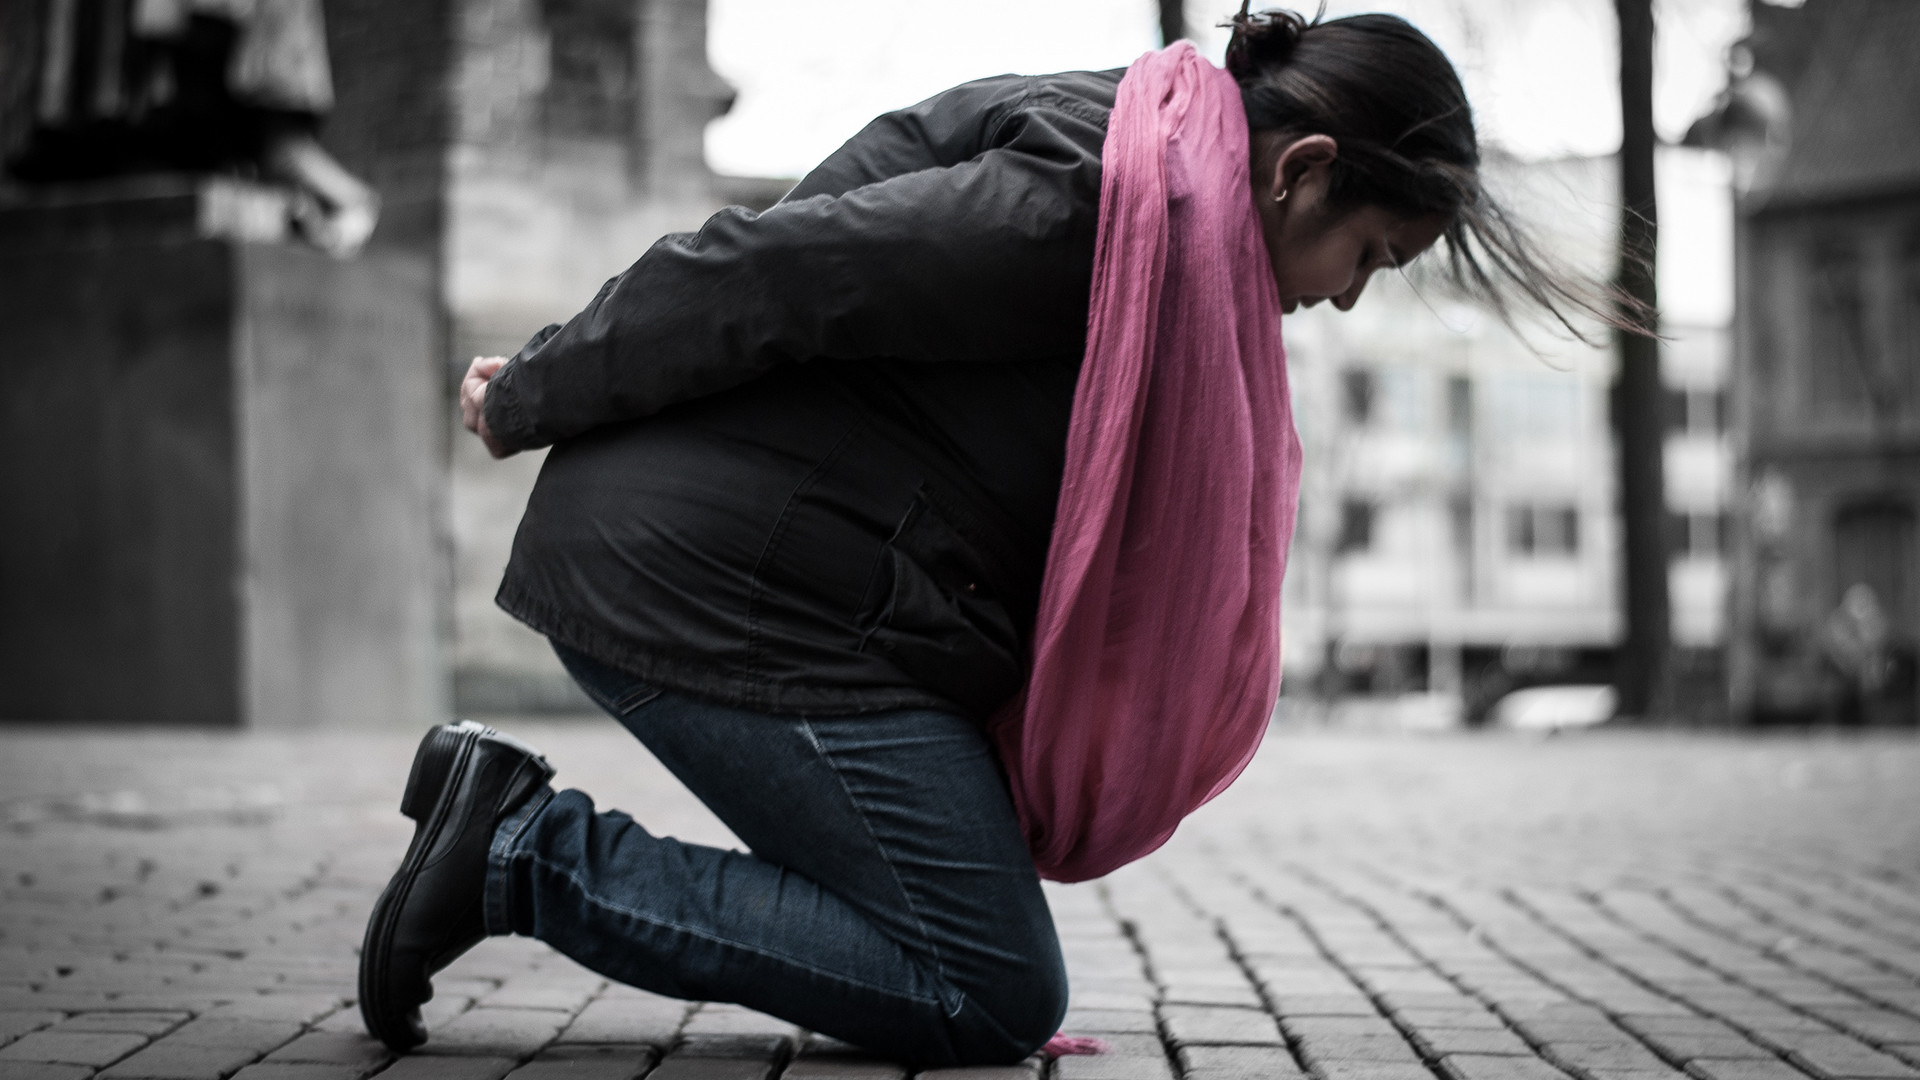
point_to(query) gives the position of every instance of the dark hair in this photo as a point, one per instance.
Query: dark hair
(1387, 94)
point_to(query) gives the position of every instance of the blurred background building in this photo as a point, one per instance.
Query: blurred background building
(1459, 528)
(1822, 119)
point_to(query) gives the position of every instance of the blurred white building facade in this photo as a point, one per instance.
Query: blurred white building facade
(1459, 531)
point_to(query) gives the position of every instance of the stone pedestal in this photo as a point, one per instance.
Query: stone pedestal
(221, 466)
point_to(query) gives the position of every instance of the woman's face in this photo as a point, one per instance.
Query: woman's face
(1319, 252)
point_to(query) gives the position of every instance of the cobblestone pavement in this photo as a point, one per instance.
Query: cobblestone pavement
(1606, 906)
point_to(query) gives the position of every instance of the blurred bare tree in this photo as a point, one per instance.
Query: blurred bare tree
(1173, 21)
(1637, 394)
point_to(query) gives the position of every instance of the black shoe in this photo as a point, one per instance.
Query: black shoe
(466, 779)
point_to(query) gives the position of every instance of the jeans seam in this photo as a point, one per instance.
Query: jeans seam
(704, 935)
(494, 909)
(906, 897)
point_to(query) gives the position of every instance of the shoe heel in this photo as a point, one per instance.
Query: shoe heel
(432, 762)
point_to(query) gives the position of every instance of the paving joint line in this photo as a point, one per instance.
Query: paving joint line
(1706, 926)
(1319, 942)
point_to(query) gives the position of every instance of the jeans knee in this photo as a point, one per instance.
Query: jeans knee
(1016, 1016)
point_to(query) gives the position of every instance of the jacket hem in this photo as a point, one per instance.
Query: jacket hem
(700, 678)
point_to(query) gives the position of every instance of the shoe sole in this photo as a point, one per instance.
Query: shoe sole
(442, 755)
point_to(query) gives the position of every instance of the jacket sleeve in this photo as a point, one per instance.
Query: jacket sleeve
(987, 259)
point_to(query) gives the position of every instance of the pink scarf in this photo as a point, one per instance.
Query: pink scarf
(1156, 656)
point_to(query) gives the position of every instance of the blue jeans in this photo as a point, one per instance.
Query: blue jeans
(889, 900)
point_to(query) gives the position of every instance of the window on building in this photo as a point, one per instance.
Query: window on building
(1528, 408)
(1673, 408)
(1874, 545)
(1697, 535)
(1356, 527)
(1911, 314)
(1696, 410)
(591, 87)
(1357, 386)
(1836, 375)
(1539, 530)
(1459, 405)
(1460, 522)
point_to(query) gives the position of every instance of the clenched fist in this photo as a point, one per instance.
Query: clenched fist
(473, 400)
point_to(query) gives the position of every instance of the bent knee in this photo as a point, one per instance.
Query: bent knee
(1006, 1023)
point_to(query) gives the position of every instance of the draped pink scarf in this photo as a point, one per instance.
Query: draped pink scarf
(1156, 656)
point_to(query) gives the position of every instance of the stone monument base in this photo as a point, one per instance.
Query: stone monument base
(222, 465)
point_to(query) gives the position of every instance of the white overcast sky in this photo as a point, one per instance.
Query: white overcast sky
(1541, 73)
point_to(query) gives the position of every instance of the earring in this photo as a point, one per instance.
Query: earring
(1282, 197)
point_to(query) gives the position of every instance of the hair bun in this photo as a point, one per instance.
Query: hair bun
(1261, 40)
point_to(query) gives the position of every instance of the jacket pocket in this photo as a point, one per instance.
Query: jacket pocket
(934, 615)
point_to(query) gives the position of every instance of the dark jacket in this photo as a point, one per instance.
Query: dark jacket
(806, 461)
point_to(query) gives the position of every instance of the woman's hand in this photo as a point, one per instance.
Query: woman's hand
(473, 400)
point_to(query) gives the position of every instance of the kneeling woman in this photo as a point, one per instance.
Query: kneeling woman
(805, 509)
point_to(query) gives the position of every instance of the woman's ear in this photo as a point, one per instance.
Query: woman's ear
(1303, 168)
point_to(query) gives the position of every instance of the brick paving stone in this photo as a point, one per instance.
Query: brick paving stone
(15, 1023)
(1109, 1022)
(1482, 1067)
(258, 1035)
(678, 1067)
(1860, 1064)
(170, 1060)
(1197, 1025)
(1101, 1067)
(621, 1020)
(334, 1048)
(1322, 1052)
(494, 1032)
(1570, 1031)
(1211, 994)
(1619, 1056)
(1032, 1069)
(288, 1008)
(1238, 1063)
(1698, 1026)
(422, 1067)
(598, 1062)
(1706, 1069)
(526, 994)
(1372, 1070)
(734, 1020)
(1396, 1000)
(1832, 1054)
(1323, 1005)
(300, 1070)
(843, 1067)
(1879, 1025)
(732, 1031)
(1438, 1042)
(136, 1023)
(1122, 1045)
(79, 1048)
(1680, 1046)
(42, 1070)
(1450, 1018)
(1307, 1027)
(754, 1047)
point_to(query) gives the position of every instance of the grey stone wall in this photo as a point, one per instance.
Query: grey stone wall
(222, 456)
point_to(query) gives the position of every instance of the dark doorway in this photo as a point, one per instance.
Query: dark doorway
(1873, 544)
